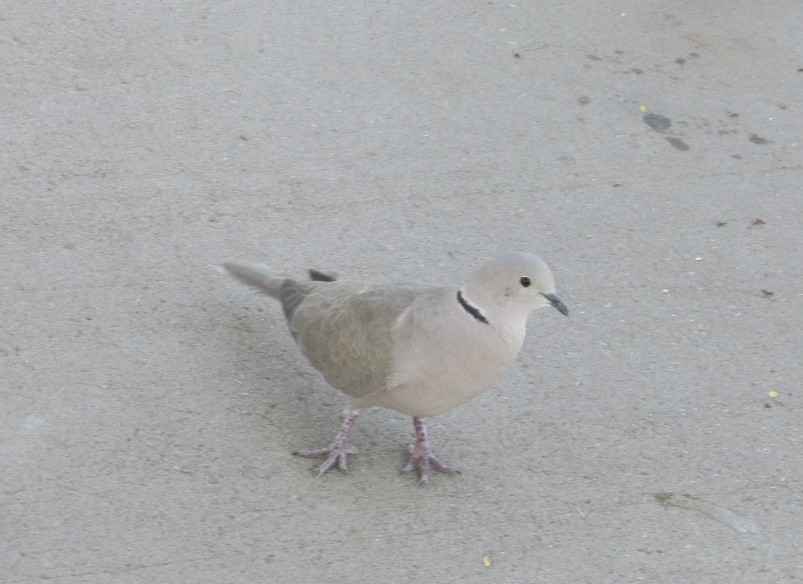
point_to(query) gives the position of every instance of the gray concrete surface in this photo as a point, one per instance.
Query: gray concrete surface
(149, 404)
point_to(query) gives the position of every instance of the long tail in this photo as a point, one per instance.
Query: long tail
(286, 290)
(256, 276)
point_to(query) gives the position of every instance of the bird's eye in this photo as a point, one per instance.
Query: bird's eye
(525, 281)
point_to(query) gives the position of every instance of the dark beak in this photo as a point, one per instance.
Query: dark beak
(557, 303)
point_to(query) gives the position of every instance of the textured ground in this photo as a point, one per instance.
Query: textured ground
(650, 152)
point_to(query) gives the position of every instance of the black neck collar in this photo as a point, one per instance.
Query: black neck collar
(471, 309)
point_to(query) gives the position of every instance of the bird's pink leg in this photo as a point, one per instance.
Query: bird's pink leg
(336, 453)
(421, 459)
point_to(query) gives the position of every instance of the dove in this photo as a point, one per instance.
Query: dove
(419, 350)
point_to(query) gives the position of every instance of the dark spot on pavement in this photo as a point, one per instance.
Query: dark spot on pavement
(756, 139)
(657, 122)
(678, 143)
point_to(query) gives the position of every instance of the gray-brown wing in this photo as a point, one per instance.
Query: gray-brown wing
(344, 330)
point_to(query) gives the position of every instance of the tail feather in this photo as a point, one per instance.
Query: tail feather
(291, 295)
(256, 276)
(318, 276)
(286, 290)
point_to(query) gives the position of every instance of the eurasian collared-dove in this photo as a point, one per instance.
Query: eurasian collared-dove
(420, 350)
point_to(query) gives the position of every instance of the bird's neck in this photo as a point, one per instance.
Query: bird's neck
(501, 315)
(471, 308)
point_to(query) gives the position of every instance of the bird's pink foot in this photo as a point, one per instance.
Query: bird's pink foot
(336, 453)
(421, 458)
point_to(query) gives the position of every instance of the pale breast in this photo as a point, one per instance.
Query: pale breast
(445, 359)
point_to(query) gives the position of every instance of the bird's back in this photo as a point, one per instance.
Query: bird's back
(345, 330)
